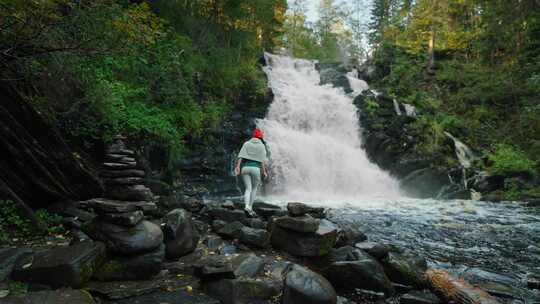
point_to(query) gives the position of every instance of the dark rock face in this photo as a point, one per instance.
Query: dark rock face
(144, 237)
(8, 258)
(244, 290)
(305, 286)
(312, 244)
(335, 75)
(135, 267)
(37, 167)
(62, 266)
(181, 237)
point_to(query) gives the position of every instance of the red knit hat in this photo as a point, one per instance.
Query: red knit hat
(258, 133)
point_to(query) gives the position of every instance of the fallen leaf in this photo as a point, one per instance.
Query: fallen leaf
(4, 293)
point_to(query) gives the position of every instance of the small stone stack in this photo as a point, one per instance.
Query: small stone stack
(135, 248)
(122, 178)
(134, 245)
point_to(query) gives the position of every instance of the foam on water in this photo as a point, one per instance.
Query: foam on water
(313, 134)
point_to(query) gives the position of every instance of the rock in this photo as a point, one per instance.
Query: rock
(51, 297)
(228, 249)
(227, 215)
(146, 207)
(533, 282)
(213, 242)
(313, 244)
(119, 166)
(120, 181)
(102, 206)
(231, 230)
(217, 225)
(8, 258)
(78, 236)
(122, 173)
(244, 290)
(128, 219)
(144, 237)
(419, 297)
(214, 268)
(69, 266)
(300, 209)
(305, 286)
(304, 223)
(349, 235)
(133, 267)
(129, 193)
(266, 210)
(248, 266)
(405, 270)
(177, 296)
(122, 289)
(256, 223)
(255, 237)
(354, 269)
(181, 237)
(376, 250)
(501, 290)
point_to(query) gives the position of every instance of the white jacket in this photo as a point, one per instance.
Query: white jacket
(253, 149)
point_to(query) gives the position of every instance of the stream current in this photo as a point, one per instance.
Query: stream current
(313, 134)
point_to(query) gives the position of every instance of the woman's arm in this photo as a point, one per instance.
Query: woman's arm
(264, 170)
(237, 168)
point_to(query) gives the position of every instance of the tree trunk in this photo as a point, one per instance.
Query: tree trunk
(456, 290)
(431, 52)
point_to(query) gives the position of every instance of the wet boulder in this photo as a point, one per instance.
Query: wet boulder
(228, 215)
(300, 209)
(135, 267)
(231, 230)
(129, 193)
(303, 223)
(405, 269)
(255, 237)
(311, 244)
(177, 296)
(305, 286)
(214, 268)
(70, 266)
(353, 269)
(349, 234)
(376, 250)
(129, 219)
(181, 237)
(8, 259)
(266, 210)
(144, 237)
(248, 265)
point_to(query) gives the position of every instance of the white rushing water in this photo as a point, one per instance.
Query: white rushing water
(313, 134)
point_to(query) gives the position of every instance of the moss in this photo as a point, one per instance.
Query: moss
(107, 269)
(327, 243)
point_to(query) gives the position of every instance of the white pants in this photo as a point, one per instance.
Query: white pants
(252, 178)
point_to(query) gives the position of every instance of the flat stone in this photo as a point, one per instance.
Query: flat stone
(348, 234)
(268, 210)
(228, 249)
(122, 173)
(249, 265)
(119, 166)
(102, 205)
(300, 209)
(213, 242)
(61, 266)
(181, 237)
(304, 223)
(123, 181)
(376, 250)
(256, 223)
(169, 297)
(214, 268)
(129, 193)
(122, 289)
(305, 286)
(419, 297)
(133, 267)
(51, 297)
(313, 244)
(144, 206)
(8, 258)
(144, 237)
(244, 290)
(120, 151)
(128, 219)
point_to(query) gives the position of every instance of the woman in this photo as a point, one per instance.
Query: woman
(251, 163)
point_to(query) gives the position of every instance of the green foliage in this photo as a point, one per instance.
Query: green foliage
(17, 288)
(371, 107)
(508, 159)
(14, 225)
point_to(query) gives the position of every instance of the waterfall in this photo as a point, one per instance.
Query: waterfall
(314, 137)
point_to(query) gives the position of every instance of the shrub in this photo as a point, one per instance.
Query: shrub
(507, 159)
